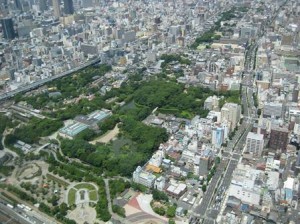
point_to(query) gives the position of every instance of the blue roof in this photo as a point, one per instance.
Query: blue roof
(73, 129)
(288, 194)
(98, 115)
(244, 207)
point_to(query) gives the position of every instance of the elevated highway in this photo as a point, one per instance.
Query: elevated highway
(31, 86)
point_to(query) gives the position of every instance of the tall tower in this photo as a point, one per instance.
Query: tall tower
(56, 8)
(18, 4)
(43, 5)
(68, 7)
(8, 28)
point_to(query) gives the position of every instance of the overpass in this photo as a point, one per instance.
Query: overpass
(42, 82)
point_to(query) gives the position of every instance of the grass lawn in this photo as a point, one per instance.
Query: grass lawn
(93, 195)
(71, 196)
(187, 114)
(85, 186)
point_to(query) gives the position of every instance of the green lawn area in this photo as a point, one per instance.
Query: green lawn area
(93, 195)
(71, 196)
(187, 114)
(85, 185)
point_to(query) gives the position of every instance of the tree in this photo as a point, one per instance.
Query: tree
(171, 221)
(171, 211)
(203, 187)
(63, 209)
(119, 210)
(159, 210)
(159, 196)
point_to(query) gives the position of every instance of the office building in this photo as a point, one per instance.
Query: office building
(231, 112)
(248, 32)
(288, 189)
(68, 7)
(204, 165)
(43, 5)
(211, 103)
(272, 110)
(278, 138)
(217, 137)
(129, 36)
(255, 143)
(8, 28)
(89, 49)
(18, 4)
(176, 189)
(87, 3)
(244, 185)
(56, 8)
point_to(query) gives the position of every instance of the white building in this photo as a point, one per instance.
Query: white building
(255, 143)
(157, 158)
(211, 103)
(142, 177)
(160, 183)
(243, 185)
(231, 112)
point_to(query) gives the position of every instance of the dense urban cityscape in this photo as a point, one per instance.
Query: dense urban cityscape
(149, 111)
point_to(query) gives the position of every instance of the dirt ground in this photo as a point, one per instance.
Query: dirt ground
(107, 137)
(29, 171)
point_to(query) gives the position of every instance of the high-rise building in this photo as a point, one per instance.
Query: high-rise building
(43, 5)
(18, 4)
(56, 8)
(68, 7)
(87, 3)
(8, 28)
(231, 112)
(217, 137)
(204, 165)
(255, 143)
(279, 138)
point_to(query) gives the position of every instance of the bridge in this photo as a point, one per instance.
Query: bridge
(42, 82)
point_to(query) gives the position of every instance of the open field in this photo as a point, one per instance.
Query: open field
(85, 186)
(71, 196)
(107, 137)
(93, 195)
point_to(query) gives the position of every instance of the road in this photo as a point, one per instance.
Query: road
(41, 82)
(35, 214)
(13, 215)
(211, 205)
(114, 216)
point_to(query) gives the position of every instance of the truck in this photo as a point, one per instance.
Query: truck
(9, 205)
